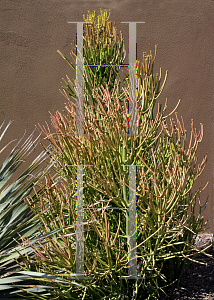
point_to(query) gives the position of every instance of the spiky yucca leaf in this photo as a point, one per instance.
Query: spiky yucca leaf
(16, 218)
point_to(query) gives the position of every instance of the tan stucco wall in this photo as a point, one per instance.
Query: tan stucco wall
(31, 69)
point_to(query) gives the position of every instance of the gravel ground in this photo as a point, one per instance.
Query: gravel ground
(198, 281)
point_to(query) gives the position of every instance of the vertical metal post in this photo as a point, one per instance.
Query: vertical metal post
(132, 78)
(79, 228)
(132, 239)
(79, 81)
(79, 223)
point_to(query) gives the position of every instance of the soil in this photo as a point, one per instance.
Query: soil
(198, 280)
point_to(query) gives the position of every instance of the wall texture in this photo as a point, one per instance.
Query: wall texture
(31, 32)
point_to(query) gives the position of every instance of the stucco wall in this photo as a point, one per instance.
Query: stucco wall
(31, 69)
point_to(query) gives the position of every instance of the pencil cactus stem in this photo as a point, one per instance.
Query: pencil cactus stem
(165, 177)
